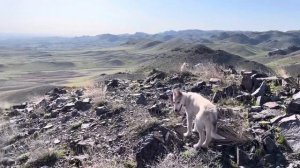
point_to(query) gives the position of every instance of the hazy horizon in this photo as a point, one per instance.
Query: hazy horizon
(93, 17)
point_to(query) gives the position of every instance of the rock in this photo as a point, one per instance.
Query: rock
(48, 126)
(261, 90)
(65, 118)
(164, 96)
(290, 82)
(176, 79)
(260, 100)
(155, 74)
(231, 91)
(7, 162)
(22, 158)
(82, 145)
(294, 107)
(255, 109)
(83, 105)
(271, 105)
(290, 128)
(265, 114)
(155, 110)
(77, 161)
(294, 164)
(20, 106)
(150, 150)
(32, 130)
(56, 141)
(215, 81)
(270, 145)
(198, 86)
(296, 96)
(75, 113)
(85, 125)
(79, 92)
(156, 145)
(246, 98)
(121, 150)
(244, 159)
(274, 160)
(33, 115)
(113, 83)
(101, 110)
(13, 113)
(57, 91)
(141, 99)
(68, 107)
(29, 110)
(218, 95)
(247, 82)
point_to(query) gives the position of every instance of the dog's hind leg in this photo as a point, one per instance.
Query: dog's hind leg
(208, 129)
(200, 129)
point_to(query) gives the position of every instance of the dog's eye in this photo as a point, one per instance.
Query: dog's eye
(178, 102)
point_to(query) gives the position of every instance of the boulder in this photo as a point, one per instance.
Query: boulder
(296, 96)
(231, 91)
(244, 97)
(247, 82)
(255, 109)
(271, 105)
(156, 109)
(261, 90)
(141, 99)
(155, 74)
(150, 150)
(155, 145)
(112, 83)
(215, 81)
(197, 87)
(83, 105)
(294, 107)
(20, 106)
(260, 100)
(265, 114)
(57, 91)
(290, 128)
(218, 95)
(67, 107)
(101, 110)
(13, 113)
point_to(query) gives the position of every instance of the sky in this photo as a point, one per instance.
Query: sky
(92, 17)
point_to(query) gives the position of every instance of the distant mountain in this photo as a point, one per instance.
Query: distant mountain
(254, 46)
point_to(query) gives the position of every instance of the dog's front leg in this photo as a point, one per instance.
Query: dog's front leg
(189, 125)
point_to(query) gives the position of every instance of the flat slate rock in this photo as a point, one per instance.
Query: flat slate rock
(290, 129)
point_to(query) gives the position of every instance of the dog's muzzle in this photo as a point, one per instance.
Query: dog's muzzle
(178, 111)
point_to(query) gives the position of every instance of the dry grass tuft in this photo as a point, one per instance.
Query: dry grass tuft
(41, 157)
(209, 70)
(96, 91)
(282, 73)
(185, 160)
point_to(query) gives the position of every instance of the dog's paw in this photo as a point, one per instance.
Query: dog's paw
(194, 130)
(196, 146)
(187, 134)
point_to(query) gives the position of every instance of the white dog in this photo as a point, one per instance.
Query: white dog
(202, 111)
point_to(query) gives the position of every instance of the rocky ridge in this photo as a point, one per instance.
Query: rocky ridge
(123, 122)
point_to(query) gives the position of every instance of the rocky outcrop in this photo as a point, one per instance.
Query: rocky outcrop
(134, 122)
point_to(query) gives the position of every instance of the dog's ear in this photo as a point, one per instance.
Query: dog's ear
(177, 93)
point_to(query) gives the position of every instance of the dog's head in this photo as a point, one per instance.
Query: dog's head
(178, 100)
